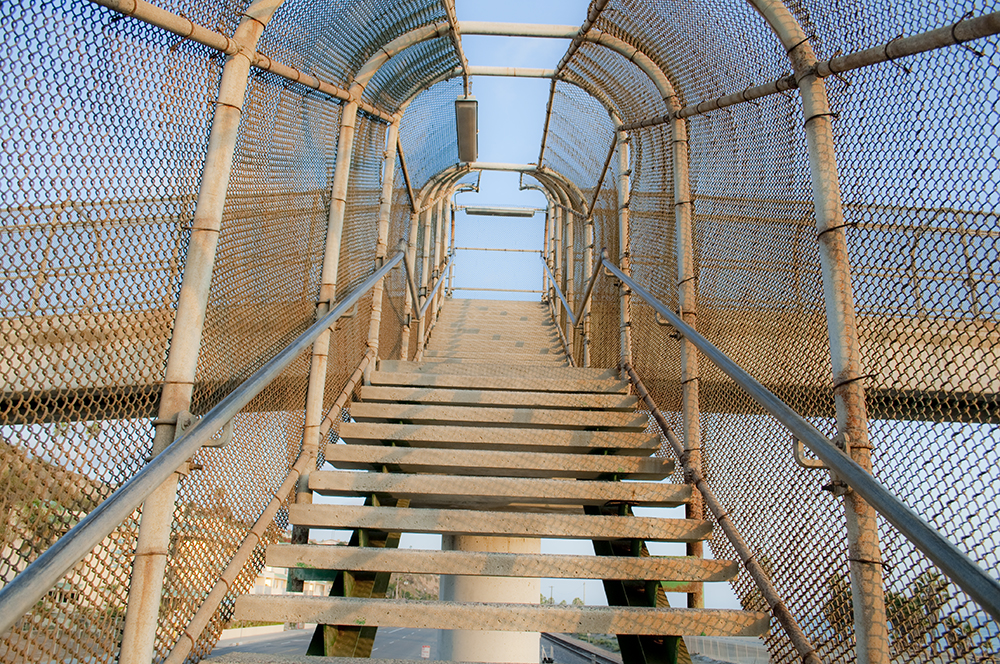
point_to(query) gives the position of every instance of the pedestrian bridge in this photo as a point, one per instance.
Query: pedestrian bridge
(765, 330)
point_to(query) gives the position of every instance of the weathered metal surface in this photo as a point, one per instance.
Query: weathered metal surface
(473, 522)
(474, 563)
(497, 383)
(535, 418)
(501, 438)
(549, 373)
(505, 492)
(372, 393)
(506, 464)
(504, 617)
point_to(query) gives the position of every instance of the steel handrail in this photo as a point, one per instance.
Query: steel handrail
(19, 596)
(968, 575)
(569, 311)
(409, 274)
(590, 284)
(437, 287)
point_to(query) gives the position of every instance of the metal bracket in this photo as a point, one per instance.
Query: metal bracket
(799, 452)
(186, 420)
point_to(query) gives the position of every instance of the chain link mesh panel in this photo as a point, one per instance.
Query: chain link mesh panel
(104, 127)
(427, 132)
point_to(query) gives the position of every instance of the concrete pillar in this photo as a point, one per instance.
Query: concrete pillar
(490, 646)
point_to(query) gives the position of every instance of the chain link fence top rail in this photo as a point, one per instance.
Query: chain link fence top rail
(105, 129)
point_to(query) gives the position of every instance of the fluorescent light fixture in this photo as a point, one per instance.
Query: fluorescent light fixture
(486, 211)
(467, 128)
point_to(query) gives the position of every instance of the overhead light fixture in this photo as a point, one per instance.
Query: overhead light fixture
(486, 211)
(467, 128)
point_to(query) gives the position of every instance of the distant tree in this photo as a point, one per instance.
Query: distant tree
(577, 601)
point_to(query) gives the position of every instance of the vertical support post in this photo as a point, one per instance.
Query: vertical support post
(545, 251)
(557, 259)
(316, 388)
(624, 262)
(451, 239)
(588, 269)
(409, 306)
(865, 554)
(570, 289)
(425, 260)
(150, 563)
(381, 248)
(443, 207)
(687, 301)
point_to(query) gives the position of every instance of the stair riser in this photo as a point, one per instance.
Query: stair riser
(503, 617)
(498, 524)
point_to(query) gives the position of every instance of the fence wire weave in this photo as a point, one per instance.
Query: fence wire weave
(104, 133)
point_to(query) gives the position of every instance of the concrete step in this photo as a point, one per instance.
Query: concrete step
(522, 384)
(504, 617)
(474, 563)
(539, 418)
(517, 358)
(494, 463)
(507, 493)
(500, 438)
(497, 524)
(374, 394)
(487, 344)
(547, 373)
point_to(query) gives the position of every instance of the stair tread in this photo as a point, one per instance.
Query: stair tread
(498, 383)
(428, 614)
(491, 462)
(496, 398)
(508, 492)
(446, 414)
(525, 565)
(504, 371)
(504, 524)
(501, 438)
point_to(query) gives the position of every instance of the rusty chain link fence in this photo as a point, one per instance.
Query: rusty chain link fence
(104, 134)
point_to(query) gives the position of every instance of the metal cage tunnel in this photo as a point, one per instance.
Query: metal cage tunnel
(809, 186)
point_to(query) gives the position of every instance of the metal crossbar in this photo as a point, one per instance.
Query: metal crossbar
(21, 594)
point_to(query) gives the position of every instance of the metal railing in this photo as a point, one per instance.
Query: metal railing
(968, 575)
(20, 595)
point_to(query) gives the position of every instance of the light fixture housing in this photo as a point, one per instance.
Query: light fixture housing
(467, 128)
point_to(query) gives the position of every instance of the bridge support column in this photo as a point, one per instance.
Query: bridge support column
(487, 646)
(150, 563)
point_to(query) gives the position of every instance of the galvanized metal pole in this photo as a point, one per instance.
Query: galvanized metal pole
(870, 626)
(451, 235)
(444, 209)
(409, 305)
(588, 269)
(149, 565)
(569, 288)
(425, 259)
(545, 249)
(557, 259)
(687, 302)
(381, 248)
(624, 187)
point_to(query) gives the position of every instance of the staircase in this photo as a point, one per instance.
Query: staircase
(480, 439)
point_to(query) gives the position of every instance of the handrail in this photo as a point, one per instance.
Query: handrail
(757, 573)
(569, 311)
(590, 284)
(21, 594)
(969, 576)
(437, 287)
